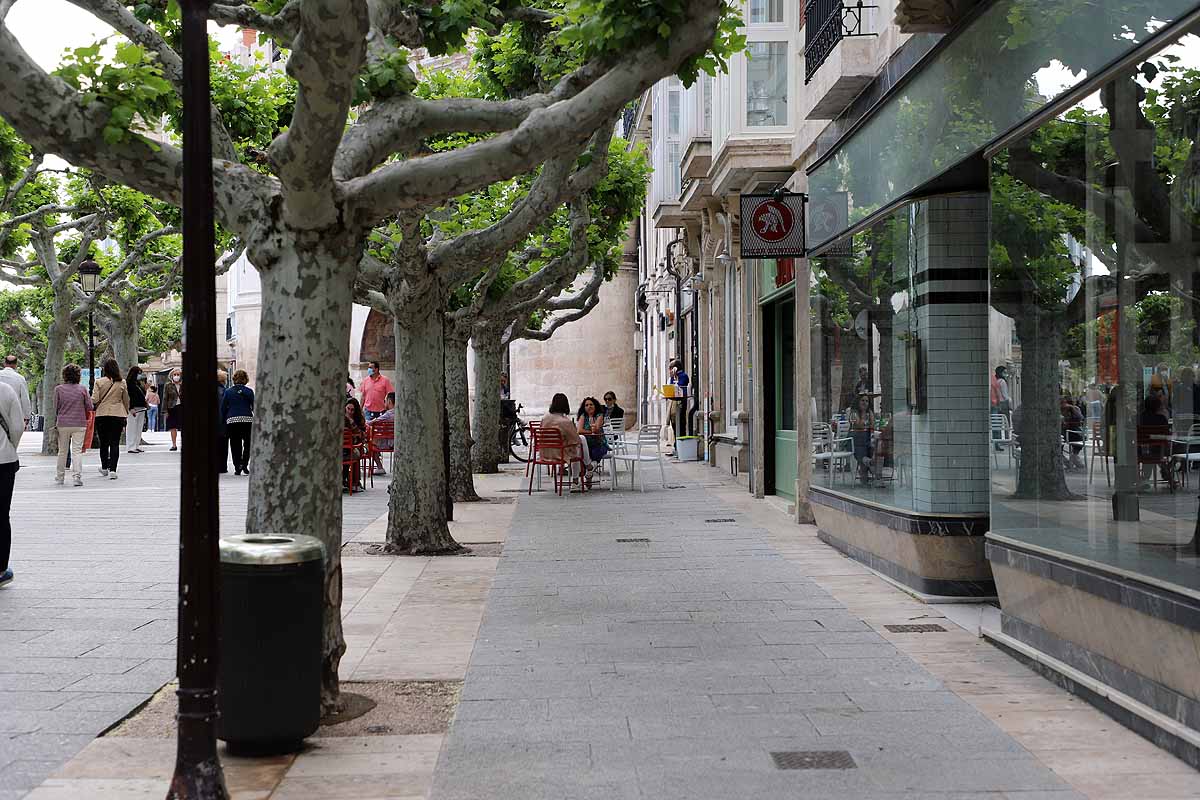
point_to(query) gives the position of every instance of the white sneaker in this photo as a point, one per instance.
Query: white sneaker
(59, 481)
(112, 476)
(103, 472)
(79, 481)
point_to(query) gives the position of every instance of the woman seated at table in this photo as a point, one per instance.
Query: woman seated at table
(862, 419)
(356, 424)
(558, 418)
(590, 424)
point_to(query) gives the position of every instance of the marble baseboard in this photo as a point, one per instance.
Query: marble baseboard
(943, 587)
(910, 522)
(1178, 747)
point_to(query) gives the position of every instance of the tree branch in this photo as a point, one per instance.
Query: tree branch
(124, 22)
(282, 27)
(329, 52)
(52, 118)
(559, 128)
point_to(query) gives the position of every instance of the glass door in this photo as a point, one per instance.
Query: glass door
(785, 399)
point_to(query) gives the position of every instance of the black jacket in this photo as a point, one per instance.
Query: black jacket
(137, 397)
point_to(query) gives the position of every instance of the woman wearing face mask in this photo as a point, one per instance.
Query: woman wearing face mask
(172, 401)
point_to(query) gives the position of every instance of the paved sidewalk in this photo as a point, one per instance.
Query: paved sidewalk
(88, 626)
(674, 667)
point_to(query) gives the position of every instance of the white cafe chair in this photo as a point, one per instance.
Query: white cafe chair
(645, 449)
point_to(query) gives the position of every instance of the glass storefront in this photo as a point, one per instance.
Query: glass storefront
(1094, 271)
(899, 334)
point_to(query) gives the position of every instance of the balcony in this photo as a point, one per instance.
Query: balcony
(839, 58)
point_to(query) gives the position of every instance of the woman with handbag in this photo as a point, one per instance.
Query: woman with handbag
(137, 410)
(172, 401)
(112, 408)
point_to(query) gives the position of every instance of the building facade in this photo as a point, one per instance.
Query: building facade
(981, 381)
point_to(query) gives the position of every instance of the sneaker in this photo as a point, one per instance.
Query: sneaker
(112, 476)
(6, 577)
(79, 481)
(59, 481)
(103, 472)
(131, 452)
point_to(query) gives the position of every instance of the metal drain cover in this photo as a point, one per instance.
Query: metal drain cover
(721, 519)
(927, 628)
(632, 541)
(814, 759)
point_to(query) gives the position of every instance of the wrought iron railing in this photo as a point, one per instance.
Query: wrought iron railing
(827, 22)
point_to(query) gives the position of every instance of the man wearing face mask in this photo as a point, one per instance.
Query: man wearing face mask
(375, 389)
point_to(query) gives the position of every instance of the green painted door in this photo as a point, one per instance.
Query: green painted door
(785, 399)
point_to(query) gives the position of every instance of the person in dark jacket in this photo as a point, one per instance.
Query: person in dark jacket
(137, 409)
(237, 411)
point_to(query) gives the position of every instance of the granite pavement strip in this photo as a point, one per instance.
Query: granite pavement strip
(87, 629)
(673, 666)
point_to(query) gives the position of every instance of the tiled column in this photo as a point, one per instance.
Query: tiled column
(950, 439)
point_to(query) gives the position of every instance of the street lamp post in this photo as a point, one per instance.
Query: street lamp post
(198, 774)
(89, 281)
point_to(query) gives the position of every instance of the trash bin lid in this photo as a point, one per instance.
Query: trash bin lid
(271, 548)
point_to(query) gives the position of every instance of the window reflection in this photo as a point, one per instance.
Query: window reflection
(1095, 237)
(766, 84)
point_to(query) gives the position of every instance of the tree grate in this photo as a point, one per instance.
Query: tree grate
(721, 519)
(814, 759)
(631, 541)
(930, 628)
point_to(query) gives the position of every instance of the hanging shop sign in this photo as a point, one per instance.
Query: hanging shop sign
(828, 216)
(773, 225)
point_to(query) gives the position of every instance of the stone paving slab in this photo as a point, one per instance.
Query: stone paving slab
(88, 627)
(674, 667)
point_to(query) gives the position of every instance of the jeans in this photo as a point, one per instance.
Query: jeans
(152, 418)
(8, 476)
(133, 430)
(70, 444)
(239, 443)
(109, 431)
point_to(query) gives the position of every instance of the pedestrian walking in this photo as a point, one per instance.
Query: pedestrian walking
(237, 409)
(172, 400)
(222, 433)
(71, 406)
(152, 401)
(16, 380)
(111, 397)
(11, 428)
(137, 410)
(375, 389)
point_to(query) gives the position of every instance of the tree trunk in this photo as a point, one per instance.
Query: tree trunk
(295, 486)
(458, 402)
(485, 424)
(417, 503)
(56, 350)
(1039, 427)
(123, 339)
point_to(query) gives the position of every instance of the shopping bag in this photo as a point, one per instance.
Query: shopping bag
(89, 430)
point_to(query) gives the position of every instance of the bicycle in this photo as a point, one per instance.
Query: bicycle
(520, 440)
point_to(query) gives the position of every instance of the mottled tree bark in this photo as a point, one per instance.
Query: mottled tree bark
(485, 423)
(458, 402)
(417, 495)
(296, 484)
(1039, 427)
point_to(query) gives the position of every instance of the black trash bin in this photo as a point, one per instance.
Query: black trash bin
(271, 628)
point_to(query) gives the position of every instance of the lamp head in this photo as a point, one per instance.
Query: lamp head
(89, 276)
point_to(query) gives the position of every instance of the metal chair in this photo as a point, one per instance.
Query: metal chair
(1001, 438)
(1099, 446)
(647, 440)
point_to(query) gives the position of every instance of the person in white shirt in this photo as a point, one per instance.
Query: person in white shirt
(11, 428)
(10, 376)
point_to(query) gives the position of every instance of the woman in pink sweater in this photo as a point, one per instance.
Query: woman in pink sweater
(71, 404)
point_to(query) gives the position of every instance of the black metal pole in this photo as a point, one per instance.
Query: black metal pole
(446, 432)
(91, 352)
(198, 774)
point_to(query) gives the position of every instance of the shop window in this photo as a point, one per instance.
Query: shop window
(766, 84)
(1094, 262)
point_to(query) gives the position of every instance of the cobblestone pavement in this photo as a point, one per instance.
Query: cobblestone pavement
(657, 645)
(87, 629)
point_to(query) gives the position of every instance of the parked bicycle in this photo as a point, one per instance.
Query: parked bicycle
(520, 440)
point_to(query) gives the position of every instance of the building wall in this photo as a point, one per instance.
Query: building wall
(584, 358)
